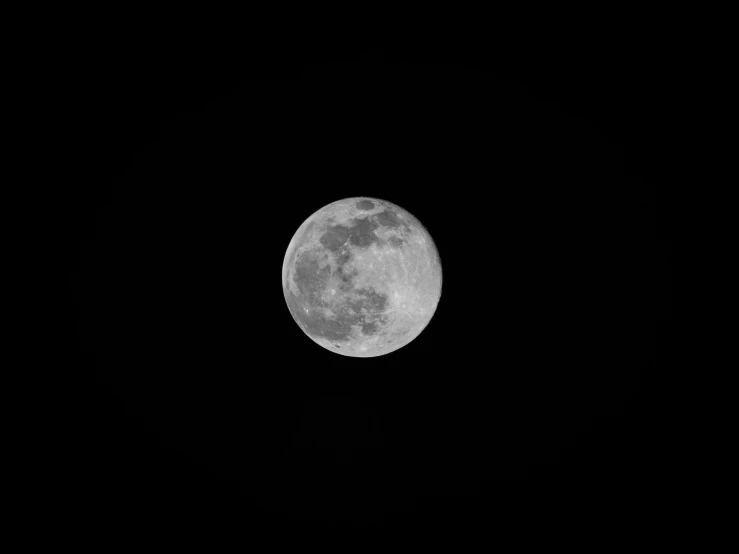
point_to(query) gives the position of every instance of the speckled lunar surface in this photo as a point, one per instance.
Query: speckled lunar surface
(362, 277)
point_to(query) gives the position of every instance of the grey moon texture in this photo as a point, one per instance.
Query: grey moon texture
(362, 277)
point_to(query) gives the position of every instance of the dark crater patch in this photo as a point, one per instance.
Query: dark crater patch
(311, 275)
(365, 205)
(370, 327)
(343, 258)
(334, 238)
(390, 219)
(369, 299)
(387, 218)
(361, 234)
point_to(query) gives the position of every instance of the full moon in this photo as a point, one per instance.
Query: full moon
(362, 277)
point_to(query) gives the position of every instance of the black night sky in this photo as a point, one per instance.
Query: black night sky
(528, 398)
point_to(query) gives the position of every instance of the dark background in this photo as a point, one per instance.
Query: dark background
(529, 395)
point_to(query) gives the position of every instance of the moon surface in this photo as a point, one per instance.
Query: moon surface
(362, 277)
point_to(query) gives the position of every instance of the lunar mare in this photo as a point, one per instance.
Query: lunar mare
(362, 277)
